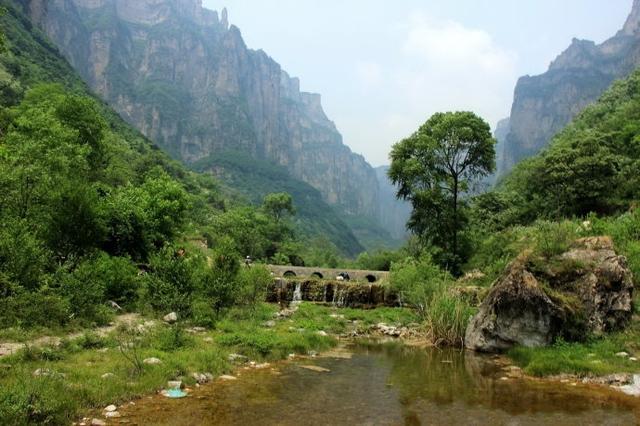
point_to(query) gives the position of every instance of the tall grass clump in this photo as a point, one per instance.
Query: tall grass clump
(422, 285)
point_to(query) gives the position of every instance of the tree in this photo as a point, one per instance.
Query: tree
(277, 205)
(434, 167)
(2, 37)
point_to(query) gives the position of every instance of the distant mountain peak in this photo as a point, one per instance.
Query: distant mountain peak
(632, 26)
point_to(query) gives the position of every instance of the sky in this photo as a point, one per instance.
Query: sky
(384, 67)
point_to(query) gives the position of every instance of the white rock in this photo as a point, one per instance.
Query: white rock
(98, 422)
(152, 361)
(170, 318)
(633, 358)
(322, 333)
(227, 377)
(112, 415)
(110, 408)
(107, 375)
(622, 354)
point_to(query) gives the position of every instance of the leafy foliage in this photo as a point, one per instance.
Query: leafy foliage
(433, 168)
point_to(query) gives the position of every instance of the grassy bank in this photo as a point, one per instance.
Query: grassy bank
(91, 372)
(596, 357)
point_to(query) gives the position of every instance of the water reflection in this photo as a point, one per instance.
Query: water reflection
(387, 384)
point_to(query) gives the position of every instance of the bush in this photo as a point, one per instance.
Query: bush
(23, 258)
(417, 281)
(34, 309)
(423, 285)
(85, 289)
(219, 284)
(119, 277)
(172, 282)
(253, 283)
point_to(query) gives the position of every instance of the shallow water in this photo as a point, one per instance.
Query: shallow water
(388, 385)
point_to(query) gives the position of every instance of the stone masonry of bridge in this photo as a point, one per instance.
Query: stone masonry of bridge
(326, 273)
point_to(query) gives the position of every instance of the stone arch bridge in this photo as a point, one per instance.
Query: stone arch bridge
(327, 273)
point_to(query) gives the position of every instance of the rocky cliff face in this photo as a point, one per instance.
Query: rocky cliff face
(545, 104)
(186, 79)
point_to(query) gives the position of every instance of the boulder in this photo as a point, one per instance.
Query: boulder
(170, 318)
(587, 290)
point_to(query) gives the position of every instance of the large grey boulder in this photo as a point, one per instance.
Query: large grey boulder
(587, 290)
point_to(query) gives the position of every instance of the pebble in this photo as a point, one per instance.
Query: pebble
(110, 408)
(98, 422)
(227, 377)
(107, 376)
(622, 354)
(633, 358)
(112, 415)
(152, 361)
(322, 333)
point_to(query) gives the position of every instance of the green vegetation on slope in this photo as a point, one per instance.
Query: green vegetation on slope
(255, 179)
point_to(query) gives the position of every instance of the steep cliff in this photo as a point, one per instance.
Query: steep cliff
(546, 103)
(185, 78)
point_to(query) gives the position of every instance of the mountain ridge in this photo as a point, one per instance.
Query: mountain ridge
(544, 104)
(189, 82)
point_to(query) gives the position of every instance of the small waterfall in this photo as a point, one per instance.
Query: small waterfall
(324, 293)
(338, 297)
(297, 294)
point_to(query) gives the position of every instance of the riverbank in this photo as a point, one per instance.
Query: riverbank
(79, 375)
(57, 384)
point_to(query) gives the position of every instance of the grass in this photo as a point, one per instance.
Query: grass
(593, 358)
(76, 384)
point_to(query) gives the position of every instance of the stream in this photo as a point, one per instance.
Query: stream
(386, 384)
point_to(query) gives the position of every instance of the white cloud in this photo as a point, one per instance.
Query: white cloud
(447, 44)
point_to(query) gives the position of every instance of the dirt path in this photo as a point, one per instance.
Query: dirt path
(9, 348)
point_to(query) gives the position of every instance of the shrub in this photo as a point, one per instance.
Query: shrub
(23, 258)
(253, 283)
(34, 309)
(173, 280)
(85, 290)
(417, 281)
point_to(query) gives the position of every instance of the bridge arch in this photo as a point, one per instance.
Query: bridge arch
(371, 278)
(317, 275)
(289, 274)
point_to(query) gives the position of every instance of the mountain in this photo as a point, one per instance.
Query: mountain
(185, 78)
(32, 59)
(544, 104)
(394, 213)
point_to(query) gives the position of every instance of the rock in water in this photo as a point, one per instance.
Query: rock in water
(587, 290)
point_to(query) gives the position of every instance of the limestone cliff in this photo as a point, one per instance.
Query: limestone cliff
(185, 78)
(546, 103)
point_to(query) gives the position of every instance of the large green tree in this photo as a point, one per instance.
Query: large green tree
(434, 167)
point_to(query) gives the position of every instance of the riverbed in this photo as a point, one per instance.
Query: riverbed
(386, 384)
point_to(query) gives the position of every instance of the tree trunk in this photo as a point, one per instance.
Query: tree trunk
(455, 218)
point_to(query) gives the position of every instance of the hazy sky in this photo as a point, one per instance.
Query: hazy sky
(383, 67)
